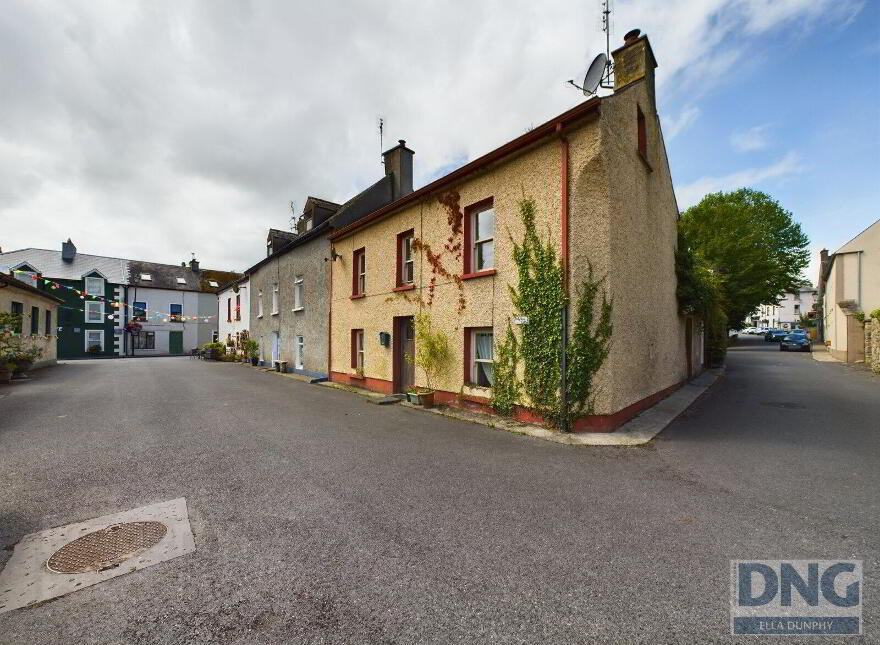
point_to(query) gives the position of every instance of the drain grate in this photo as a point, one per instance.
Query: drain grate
(106, 548)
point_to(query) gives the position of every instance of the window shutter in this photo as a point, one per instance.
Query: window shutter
(354, 347)
(467, 354)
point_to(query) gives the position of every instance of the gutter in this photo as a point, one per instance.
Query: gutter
(543, 131)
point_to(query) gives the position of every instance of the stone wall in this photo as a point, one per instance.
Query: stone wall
(872, 345)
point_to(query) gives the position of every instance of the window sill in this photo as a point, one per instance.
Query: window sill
(404, 287)
(477, 274)
(356, 377)
(274, 313)
(645, 160)
(358, 296)
(299, 309)
(259, 315)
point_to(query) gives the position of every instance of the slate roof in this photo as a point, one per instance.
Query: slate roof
(164, 276)
(24, 286)
(50, 265)
(364, 203)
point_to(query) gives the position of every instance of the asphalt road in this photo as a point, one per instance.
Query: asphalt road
(321, 518)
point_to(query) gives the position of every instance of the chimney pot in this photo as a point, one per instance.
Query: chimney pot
(194, 265)
(631, 35)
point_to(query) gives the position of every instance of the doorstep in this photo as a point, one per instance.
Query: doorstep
(822, 355)
(637, 431)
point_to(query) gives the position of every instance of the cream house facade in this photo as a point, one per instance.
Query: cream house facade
(39, 315)
(850, 284)
(600, 180)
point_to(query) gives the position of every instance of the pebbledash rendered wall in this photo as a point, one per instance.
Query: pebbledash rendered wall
(622, 220)
(308, 260)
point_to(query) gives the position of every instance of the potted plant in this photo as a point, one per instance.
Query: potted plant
(24, 358)
(432, 355)
(213, 351)
(94, 349)
(252, 350)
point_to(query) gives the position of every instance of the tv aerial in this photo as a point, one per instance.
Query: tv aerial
(600, 70)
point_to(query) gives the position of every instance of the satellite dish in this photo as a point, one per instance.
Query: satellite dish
(595, 74)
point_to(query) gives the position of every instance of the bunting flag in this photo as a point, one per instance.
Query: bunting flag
(148, 313)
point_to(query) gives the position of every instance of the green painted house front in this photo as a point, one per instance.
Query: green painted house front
(89, 326)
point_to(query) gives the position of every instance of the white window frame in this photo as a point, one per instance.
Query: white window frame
(275, 299)
(474, 359)
(299, 345)
(181, 281)
(99, 291)
(298, 293)
(479, 242)
(359, 349)
(260, 305)
(213, 283)
(362, 273)
(146, 277)
(88, 313)
(94, 331)
(406, 258)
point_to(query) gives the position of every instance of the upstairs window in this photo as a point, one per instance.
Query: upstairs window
(238, 306)
(359, 273)
(175, 313)
(643, 137)
(95, 286)
(480, 236)
(405, 267)
(229, 310)
(298, 293)
(260, 304)
(275, 299)
(139, 312)
(94, 311)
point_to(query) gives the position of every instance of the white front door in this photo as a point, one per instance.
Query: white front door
(276, 346)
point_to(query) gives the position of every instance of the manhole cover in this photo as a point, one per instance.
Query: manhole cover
(106, 548)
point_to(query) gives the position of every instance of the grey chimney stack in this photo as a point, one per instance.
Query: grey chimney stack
(399, 164)
(68, 251)
(194, 265)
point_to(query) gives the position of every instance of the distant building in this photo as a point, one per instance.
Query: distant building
(233, 309)
(787, 313)
(849, 283)
(90, 322)
(39, 313)
(174, 306)
(115, 307)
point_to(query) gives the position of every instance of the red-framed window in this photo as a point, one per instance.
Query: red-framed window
(357, 349)
(405, 258)
(359, 272)
(479, 354)
(479, 236)
(643, 137)
(238, 306)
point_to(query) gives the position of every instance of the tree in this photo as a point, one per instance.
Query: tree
(751, 244)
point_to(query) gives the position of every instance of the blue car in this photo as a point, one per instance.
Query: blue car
(796, 342)
(775, 335)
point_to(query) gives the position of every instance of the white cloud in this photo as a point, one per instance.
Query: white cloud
(151, 130)
(685, 118)
(752, 139)
(692, 193)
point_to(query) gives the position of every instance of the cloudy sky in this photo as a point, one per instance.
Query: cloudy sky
(150, 130)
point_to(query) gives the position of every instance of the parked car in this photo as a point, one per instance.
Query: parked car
(796, 342)
(750, 330)
(775, 335)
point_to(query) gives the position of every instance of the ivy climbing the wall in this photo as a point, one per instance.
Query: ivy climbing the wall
(505, 391)
(540, 295)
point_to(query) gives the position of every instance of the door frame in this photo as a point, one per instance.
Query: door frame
(398, 335)
(179, 334)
